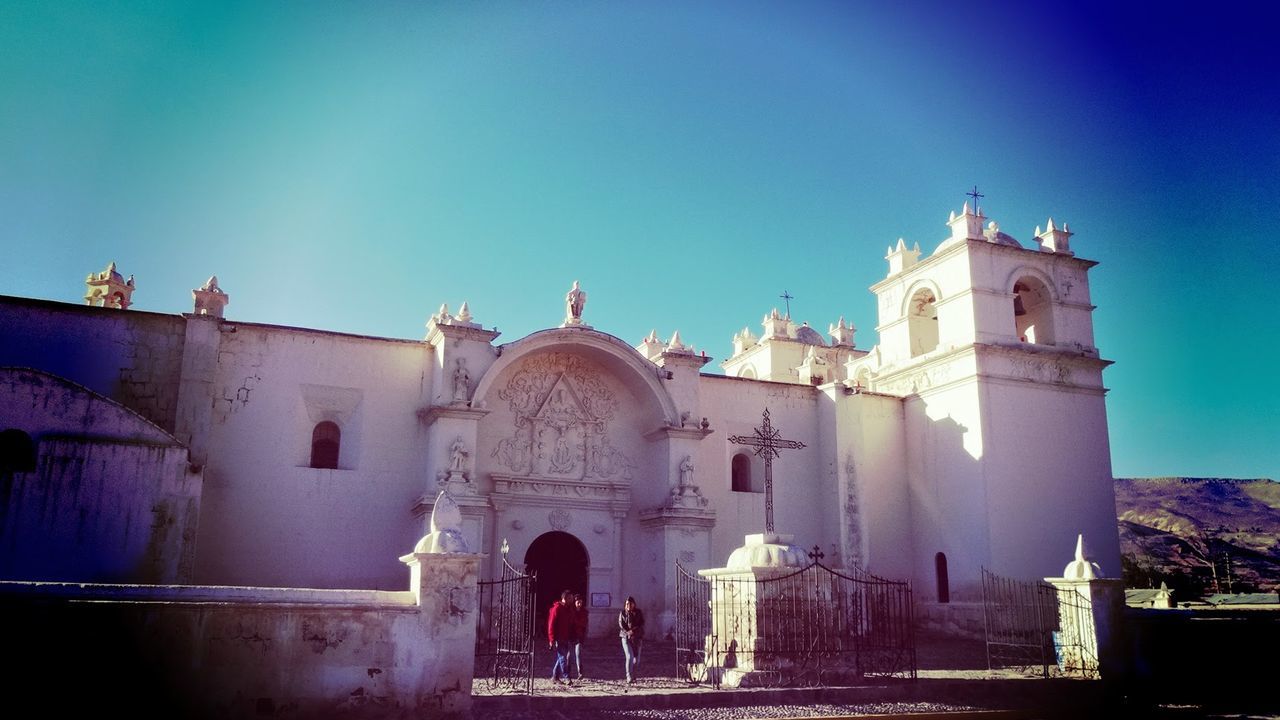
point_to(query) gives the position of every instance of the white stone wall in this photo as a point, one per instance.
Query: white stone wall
(269, 518)
(801, 483)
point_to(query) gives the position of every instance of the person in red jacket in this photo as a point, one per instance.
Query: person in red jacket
(560, 625)
(580, 618)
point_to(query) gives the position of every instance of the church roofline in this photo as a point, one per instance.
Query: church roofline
(956, 248)
(230, 324)
(757, 380)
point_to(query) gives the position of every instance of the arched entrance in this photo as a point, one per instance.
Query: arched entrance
(560, 561)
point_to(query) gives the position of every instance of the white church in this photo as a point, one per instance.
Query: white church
(198, 449)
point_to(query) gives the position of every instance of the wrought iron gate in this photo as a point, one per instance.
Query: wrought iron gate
(693, 625)
(1033, 625)
(811, 626)
(505, 630)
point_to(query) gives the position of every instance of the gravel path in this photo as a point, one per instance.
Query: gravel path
(736, 713)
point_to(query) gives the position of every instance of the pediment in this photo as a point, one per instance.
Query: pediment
(562, 406)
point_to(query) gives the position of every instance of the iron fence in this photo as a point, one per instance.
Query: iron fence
(1034, 626)
(793, 627)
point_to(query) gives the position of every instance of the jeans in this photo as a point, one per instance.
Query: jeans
(631, 649)
(577, 658)
(561, 667)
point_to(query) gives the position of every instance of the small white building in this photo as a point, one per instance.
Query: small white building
(973, 434)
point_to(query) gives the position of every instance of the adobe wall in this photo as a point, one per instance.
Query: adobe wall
(132, 357)
(111, 498)
(223, 652)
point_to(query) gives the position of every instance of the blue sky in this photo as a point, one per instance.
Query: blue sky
(350, 166)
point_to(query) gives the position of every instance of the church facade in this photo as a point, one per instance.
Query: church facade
(146, 447)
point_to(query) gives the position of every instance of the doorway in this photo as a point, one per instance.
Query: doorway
(561, 562)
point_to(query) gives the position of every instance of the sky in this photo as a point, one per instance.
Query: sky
(351, 166)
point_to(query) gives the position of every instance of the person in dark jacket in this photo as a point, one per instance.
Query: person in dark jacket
(631, 630)
(580, 618)
(560, 635)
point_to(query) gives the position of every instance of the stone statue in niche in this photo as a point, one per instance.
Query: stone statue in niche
(457, 456)
(454, 478)
(685, 493)
(461, 381)
(562, 458)
(686, 471)
(574, 301)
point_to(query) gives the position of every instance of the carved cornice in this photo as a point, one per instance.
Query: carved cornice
(437, 333)
(429, 415)
(674, 517)
(560, 492)
(687, 433)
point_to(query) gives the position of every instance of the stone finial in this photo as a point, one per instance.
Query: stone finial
(651, 347)
(209, 298)
(1055, 240)
(109, 289)
(966, 226)
(841, 334)
(446, 529)
(464, 316)
(813, 371)
(744, 340)
(776, 326)
(1081, 568)
(675, 345)
(900, 258)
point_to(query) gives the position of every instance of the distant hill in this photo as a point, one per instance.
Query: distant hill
(1190, 531)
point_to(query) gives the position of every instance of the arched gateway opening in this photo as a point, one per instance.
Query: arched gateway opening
(560, 561)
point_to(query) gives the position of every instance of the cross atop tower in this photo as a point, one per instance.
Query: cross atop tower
(787, 298)
(767, 442)
(975, 195)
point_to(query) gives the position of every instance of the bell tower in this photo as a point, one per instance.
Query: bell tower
(990, 344)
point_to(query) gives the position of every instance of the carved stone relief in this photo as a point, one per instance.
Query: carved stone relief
(563, 409)
(852, 513)
(1042, 370)
(559, 519)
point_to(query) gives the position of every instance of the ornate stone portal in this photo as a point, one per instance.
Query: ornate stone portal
(563, 410)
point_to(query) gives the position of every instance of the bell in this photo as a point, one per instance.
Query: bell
(1018, 310)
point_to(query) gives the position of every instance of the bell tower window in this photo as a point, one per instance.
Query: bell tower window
(922, 322)
(1032, 311)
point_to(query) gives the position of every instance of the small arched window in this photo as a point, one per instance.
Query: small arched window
(326, 439)
(740, 472)
(944, 584)
(17, 452)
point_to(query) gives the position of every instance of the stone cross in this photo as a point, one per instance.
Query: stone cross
(766, 441)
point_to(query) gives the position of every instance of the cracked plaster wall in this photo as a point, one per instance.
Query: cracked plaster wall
(324, 528)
